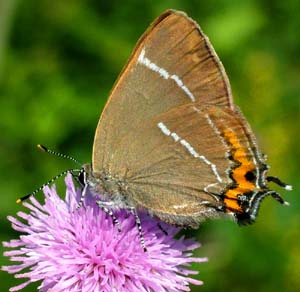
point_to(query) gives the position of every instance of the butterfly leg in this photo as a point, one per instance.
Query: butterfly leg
(80, 178)
(139, 226)
(81, 200)
(103, 206)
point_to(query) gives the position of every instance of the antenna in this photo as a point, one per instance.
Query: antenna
(45, 149)
(46, 184)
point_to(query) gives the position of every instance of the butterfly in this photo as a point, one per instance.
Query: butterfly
(170, 139)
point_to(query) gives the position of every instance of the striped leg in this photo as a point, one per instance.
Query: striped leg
(103, 206)
(139, 226)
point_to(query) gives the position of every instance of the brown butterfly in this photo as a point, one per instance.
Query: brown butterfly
(170, 139)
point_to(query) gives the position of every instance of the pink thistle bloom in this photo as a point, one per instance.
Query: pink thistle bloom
(71, 249)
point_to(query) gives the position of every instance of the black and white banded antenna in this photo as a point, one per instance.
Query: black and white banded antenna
(45, 149)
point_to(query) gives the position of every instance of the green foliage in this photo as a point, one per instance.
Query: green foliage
(58, 62)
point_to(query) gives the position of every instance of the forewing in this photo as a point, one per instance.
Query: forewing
(173, 64)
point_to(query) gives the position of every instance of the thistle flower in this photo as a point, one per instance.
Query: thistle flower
(71, 249)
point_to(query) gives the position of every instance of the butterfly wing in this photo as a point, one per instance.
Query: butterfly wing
(163, 130)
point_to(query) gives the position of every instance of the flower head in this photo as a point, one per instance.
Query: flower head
(71, 249)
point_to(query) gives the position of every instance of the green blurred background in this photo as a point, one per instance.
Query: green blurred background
(58, 62)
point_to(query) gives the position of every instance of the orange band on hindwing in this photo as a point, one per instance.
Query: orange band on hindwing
(243, 181)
